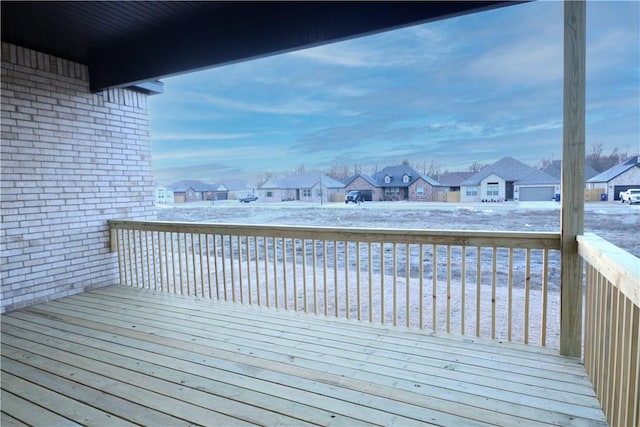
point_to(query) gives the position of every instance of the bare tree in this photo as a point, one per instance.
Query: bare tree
(259, 179)
(338, 172)
(601, 162)
(433, 170)
(476, 167)
(546, 161)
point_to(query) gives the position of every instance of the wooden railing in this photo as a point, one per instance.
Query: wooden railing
(488, 284)
(612, 328)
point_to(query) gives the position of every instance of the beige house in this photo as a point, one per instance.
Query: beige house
(307, 187)
(617, 179)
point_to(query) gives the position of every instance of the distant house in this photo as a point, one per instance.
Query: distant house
(366, 185)
(618, 178)
(451, 181)
(393, 183)
(509, 179)
(448, 189)
(164, 196)
(191, 191)
(306, 186)
(555, 170)
(235, 188)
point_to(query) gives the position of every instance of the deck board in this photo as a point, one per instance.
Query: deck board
(144, 357)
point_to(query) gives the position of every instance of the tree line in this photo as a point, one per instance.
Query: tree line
(595, 157)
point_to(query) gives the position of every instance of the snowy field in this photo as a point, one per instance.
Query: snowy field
(616, 222)
(613, 221)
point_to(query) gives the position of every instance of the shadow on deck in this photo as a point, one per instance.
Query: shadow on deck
(121, 355)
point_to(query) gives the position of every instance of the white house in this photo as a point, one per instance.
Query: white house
(163, 195)
(509, 179)
(618, 178)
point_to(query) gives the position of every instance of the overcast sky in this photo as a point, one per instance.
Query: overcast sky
(473, 88)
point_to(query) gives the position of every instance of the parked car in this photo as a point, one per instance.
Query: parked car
(248, 198)
(631, 196)
(354, 196)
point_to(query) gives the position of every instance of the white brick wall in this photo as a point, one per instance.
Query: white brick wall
(70, 161)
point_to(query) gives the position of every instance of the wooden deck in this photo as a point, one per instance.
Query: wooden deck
(118, 356)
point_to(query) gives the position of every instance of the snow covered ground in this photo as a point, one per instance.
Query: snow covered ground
(616, 222)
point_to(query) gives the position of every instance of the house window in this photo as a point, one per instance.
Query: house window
(493, 189)
(306, 192)
(472, 191)
(420, 191)
(405, 178)
(269, 193)
(392, 191)
(387, 179)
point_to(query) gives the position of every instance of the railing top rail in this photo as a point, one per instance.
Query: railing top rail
(618, 266)
(507, 239)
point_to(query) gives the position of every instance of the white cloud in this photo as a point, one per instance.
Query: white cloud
(524, 62)
(335, 56)
(199, 136)
(294, 106)
(476, 87)
(226, 152)
(399, 48)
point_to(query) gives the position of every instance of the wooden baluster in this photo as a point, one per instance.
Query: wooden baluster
(315, 276)
(346, 279)
(510, 296)
(545, 290)
(370, 261)
(324, 278)
(449, 289)
(421, 285)
(463, 289)
(407, 276)
(494, 280)
(527, 292)
(284, 274)
(478, 288)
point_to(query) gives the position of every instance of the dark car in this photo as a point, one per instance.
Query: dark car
(248, 198)
(354, 196)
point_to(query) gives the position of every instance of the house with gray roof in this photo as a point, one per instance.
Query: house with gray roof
(452, 180)
(392, 183)
(191, 191)
(232, 189)
(448, 189)
(617, 179)
(509, 179)
(306, 186)
(555, 170)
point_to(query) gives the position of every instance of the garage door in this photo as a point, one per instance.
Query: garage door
(618, 188)
(529, 194)
(367, 195)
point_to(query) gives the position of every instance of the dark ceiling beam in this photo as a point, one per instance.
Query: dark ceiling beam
(240, 31)
(127, 43)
